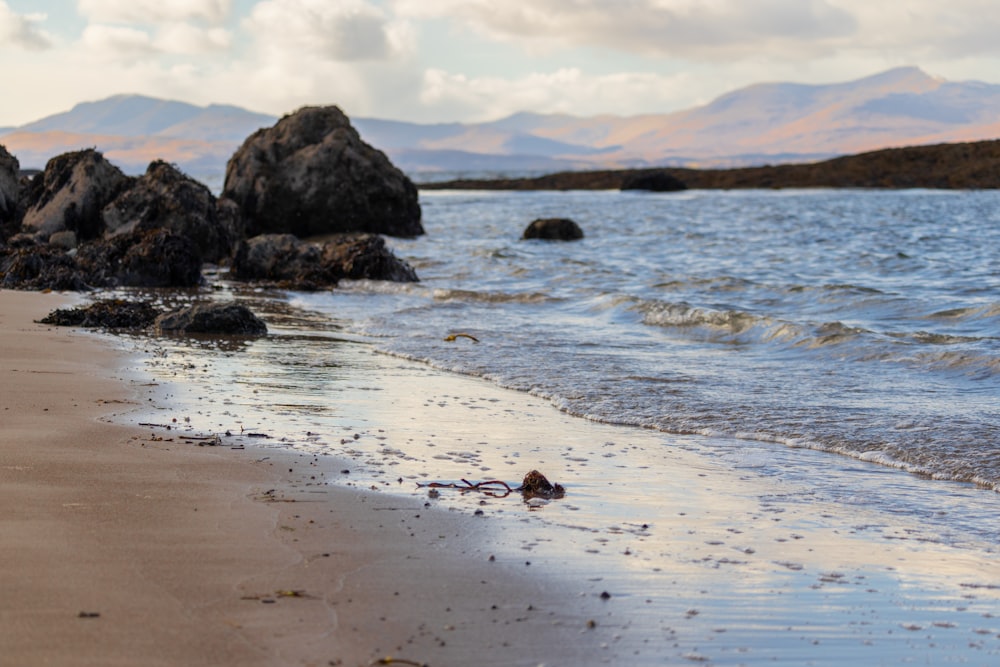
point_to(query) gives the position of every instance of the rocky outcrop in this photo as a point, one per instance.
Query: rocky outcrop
(553, 229)
(164, 198)
(311, 174)
(71, 194)
(654, 181)
(296, 264)
(211, 318)
(153, 258)
(10, 191)
(157, 258)
(40, 267)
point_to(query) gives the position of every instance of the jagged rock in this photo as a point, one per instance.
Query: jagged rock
(10, 192)
(109, 313)
(311, 174)
(154, 258)
(655, 181)
(283, 258)
(553, 229)
(70, 195)
(165, 198)
(212, 318)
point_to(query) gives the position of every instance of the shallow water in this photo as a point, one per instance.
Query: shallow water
(862, 323)
(755, 368)
(712, 551)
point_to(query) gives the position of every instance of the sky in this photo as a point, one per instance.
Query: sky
(471, 60)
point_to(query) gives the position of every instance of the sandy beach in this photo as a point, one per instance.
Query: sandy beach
(124, 546)
(127, 545)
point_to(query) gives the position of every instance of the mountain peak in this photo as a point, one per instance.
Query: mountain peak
(906, 77)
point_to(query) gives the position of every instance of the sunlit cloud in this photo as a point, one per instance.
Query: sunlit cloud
(704, 29)
(716, 30)
(341, 30)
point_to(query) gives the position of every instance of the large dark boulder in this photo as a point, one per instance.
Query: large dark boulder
(152, 258)
(311, 174)
(212, 318)
(165, 198)
(282, 258)
(366, 257)
(553, 229)
(653, 181)
(71, 194)
(10, 193)
(296, 264)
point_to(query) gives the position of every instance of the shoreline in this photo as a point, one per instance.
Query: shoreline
(289, 560)
(125, 546)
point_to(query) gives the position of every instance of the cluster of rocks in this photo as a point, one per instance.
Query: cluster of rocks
(81, 223)
(203, 318)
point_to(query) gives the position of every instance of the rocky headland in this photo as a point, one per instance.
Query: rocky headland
(303, 206)
(973, 165)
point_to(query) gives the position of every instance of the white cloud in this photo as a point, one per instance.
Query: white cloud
(336, 30)
(21, 30)
(120, 43)
(114, 42)
(154, 11)
(184, 38)
(919, 30)
(700, 29)
(723, 30)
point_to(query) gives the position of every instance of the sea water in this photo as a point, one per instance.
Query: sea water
(864, 323)
(760, 324)
(749, 388)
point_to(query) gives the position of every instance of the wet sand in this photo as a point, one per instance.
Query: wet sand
(146, 545)
(131, 546)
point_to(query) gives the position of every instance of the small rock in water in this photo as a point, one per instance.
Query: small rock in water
(553, 229)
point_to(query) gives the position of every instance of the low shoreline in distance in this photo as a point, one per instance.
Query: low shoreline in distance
(972, 165)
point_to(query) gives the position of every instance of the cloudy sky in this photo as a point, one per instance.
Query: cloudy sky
(445, 60)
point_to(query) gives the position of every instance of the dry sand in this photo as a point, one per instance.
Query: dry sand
(137, 546)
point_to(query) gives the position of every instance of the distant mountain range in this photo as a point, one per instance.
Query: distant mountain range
(764, 123)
